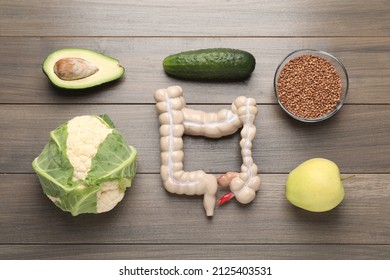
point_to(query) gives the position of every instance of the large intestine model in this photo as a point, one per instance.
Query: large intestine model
(176, 120)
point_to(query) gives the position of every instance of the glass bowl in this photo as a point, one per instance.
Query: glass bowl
(341, 71)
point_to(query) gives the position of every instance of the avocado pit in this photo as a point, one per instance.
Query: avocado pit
(77, 68)
(73, 68)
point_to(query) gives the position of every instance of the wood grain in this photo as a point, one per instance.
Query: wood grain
(198, 252)
(23, 80)
(354, 138)
(150, 215)
(150, 223)
(206, 18)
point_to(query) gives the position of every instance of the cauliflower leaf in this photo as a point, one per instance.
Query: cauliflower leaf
(111, 169)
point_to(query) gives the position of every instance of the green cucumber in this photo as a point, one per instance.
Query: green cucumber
(210, 64)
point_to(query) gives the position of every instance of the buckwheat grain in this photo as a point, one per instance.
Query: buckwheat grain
(309, 87)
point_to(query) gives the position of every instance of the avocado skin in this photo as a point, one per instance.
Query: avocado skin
(115, 71)
(210, 64)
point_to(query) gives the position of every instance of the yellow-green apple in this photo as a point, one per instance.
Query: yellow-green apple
(315, 185)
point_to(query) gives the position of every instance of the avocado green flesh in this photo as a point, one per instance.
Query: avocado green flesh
(210, 64)
(109, 68)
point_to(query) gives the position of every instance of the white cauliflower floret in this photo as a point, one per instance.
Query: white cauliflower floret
(85, 134)
(86, 166)
(108, 196)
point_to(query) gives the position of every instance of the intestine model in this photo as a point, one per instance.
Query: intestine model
(176, 120)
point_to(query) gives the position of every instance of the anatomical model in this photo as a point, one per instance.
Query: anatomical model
(177, 120)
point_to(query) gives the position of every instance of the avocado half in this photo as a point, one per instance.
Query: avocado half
(107, 68)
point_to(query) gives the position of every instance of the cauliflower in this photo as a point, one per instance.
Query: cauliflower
(86, 166)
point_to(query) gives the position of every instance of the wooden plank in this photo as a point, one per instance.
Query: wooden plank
(151, 223)
(357, 138)
(198, 252)
(149, 215)
(23, 80)
(205, 18)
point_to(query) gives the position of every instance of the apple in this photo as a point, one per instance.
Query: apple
(315, 185)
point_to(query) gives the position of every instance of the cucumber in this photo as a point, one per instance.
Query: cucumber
(210, 64)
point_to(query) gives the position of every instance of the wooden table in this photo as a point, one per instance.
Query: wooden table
(150, 223)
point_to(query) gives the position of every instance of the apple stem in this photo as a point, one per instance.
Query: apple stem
(348, 177)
